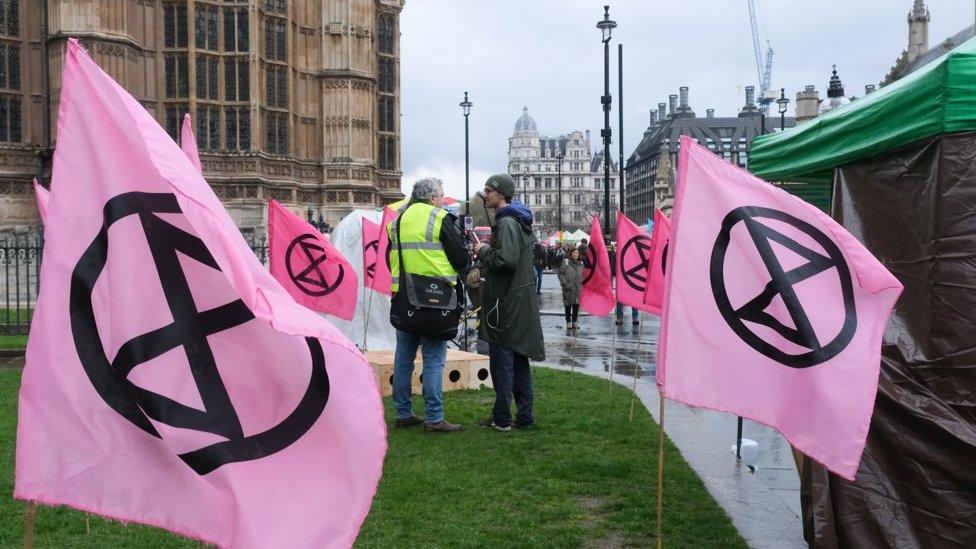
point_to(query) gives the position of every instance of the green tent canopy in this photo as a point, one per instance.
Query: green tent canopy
(936, 99)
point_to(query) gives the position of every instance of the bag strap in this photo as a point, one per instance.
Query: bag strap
(403, 268)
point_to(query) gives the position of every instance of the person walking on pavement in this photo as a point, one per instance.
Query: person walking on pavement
(510, 309)
(571, 280)
(431, 245)
(540, 261)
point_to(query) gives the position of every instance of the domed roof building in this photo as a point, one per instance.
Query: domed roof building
(525, 125)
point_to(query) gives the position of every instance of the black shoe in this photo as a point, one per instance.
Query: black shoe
(519, 425)
(408, 421)
(490, 424)
(619, 321)
(636, 323)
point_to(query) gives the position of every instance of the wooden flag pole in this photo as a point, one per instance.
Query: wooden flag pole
(613, 357)
(660, 475)
(30, 513)
(87, 523)
(633, 389)
(572, 358)
(369, 306)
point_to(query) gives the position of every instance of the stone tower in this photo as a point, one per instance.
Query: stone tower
(918, 30)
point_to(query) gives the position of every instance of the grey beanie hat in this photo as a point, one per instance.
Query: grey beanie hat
(503, 183)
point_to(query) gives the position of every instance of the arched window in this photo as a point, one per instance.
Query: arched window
(385, 30)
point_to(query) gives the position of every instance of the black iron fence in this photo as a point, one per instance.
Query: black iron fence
(20, 267)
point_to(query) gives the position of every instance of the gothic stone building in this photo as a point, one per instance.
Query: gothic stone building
(294, 100)
(650, 170)
(534, 162)
(918, 53)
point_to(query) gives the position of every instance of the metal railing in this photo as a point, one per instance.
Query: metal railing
(20, 267)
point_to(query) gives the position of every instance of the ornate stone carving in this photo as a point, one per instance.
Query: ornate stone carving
(283, 195)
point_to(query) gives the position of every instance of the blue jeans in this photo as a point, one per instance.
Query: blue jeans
(511, 376)
(434, 353)
(634, 312)
(538, 279)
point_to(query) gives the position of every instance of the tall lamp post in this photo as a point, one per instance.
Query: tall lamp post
(559, 190)
(783, 102)
(466, 109)
(606, 26)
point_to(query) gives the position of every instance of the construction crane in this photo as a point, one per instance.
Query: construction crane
(764, 67)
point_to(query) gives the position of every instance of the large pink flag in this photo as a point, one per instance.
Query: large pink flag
(371, 240)
(382, 280)
(188, 142)
(308, 265)
(596, 297)
(170, 380)
(654, 291)
(43, 198)
(772, 311)
(633, 261)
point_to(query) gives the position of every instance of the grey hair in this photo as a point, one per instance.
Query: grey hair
(425, 189)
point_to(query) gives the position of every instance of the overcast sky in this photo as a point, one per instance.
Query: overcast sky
(547, 54)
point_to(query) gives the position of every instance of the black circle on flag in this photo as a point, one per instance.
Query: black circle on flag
(192, 330)
(374, 246)
(635, 257)
(303, 260)
(589, 267)
(782, 284)
(664, 258)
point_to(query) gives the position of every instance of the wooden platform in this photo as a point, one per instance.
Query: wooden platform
(461, 371)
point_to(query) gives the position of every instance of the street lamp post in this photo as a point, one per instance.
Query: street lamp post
(606, 26)
(559, 190)
(783, 102)
(466, 109)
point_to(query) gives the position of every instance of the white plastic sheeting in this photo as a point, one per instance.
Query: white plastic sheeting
(347, 237)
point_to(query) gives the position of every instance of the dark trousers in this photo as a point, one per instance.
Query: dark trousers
(538, 279)
(511, 376)
(572, 313)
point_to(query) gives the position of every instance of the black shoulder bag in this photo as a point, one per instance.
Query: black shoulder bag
(424, 305)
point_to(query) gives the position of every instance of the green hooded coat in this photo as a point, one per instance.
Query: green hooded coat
(510, 306)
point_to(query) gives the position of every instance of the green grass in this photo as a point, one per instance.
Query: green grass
(584, 476)
(13, 342)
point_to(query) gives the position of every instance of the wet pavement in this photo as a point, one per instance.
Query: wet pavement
(764, 504)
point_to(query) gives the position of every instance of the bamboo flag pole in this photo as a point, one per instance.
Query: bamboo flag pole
(660, 474)
(30, 513)
(87, 523)
(369, 306)
(633, 389)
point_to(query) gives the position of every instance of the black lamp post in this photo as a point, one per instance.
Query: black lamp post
(466, 110)
(783, 102)
(606, 26)
(559, 190)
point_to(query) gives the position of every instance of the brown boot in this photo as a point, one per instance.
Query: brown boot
(441, 427)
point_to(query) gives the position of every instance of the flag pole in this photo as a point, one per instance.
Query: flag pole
(369, 306)
(633, 389)
(30, 513)
(613, 357)
(87, 523)
(660, 474)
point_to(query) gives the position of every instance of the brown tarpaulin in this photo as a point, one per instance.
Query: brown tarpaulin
(915, 209)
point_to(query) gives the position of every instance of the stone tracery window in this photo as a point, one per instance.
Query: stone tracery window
(174, 25)
(9, 65)
(274, 39)
(385, 31)
(208, 127)
(207, 77)
(10, 119)
(387, 74)
(237, 79)
(206, 27)
(237, 124)
(236, 28)
(10, 17)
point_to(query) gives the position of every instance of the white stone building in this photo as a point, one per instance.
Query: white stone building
(534, 162)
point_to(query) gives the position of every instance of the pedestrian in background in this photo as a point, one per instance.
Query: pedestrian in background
(510, 309)
(584, 248)
(556, 256)
(540, 260)
(571, 280)
(430, 244)
(634, 313)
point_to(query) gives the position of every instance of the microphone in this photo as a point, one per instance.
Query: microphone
(480, 194)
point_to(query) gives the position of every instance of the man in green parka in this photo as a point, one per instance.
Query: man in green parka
(510, 307)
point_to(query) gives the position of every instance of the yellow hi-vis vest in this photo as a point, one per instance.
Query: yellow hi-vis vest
(423, 253)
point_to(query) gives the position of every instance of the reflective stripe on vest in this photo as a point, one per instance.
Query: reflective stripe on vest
(423, 253)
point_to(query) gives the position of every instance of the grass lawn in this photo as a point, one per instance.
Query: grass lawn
(583, 477)
(13, 341)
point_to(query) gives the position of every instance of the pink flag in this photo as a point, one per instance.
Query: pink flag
(170, 380)
(371, 241)
(188, 142)
(382, 280)
(633, 260)
(597, 295)
(654, 292)
(772, 311)
(309, 266)
(43, 197)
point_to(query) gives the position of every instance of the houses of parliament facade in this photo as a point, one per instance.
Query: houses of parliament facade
(295, 100)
